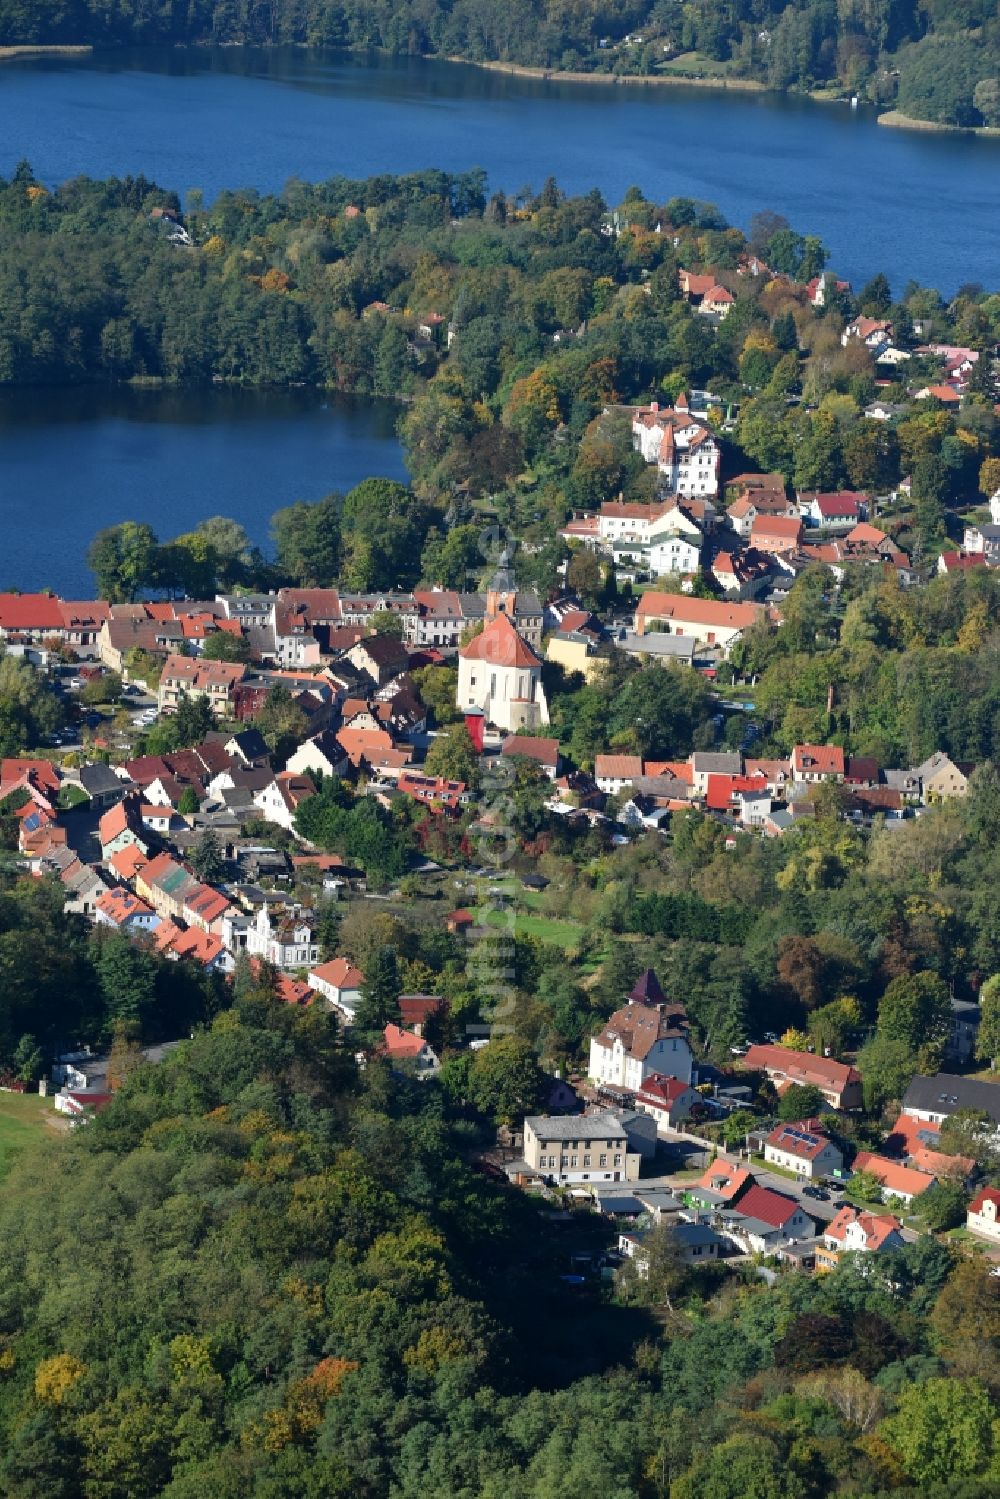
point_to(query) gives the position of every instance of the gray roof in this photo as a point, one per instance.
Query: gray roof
(659, 1199)
(619, 1202)
(691, 1235)
(946, 1094)
(100, 780)
(576, 1126)
(717, 764)
(658, 644)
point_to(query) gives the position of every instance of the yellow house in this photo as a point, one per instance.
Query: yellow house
(573, 653)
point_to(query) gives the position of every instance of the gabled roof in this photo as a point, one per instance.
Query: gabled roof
(500, 645)
(690, 610)
(945, 1094)
(400, 1043)
(805, 1139)
(801, 1066)
(985, 1195)
(545, 751)
(903, 1180)
(638, 1027)
(618, 767)
(661, 1091)
(772, 1208)
(876, 1227)
(726, 1178)
(30, 611)
(339, 973)
(819, 759)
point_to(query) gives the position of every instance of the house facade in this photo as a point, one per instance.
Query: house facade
(649, 1035)
(803, 1147)
(285, 939)
(580, 1148)
(983, 1216)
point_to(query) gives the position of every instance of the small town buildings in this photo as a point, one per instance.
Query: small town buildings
(839, 1084)
(965, 1021)
(412, 1051)
(897, 1180)
(818, 762)
(711, 622)
(941, 778)
(613, 773)
(856, 1231)
(683, 448)
(721, 1184)
(281, 798)
(121, 826)
(323, 754)
(935, 1099)
(596, 1146)
(667, 1100)
(121, 909)
(500, 675)
(983, 1215)
(803, 1147)
(840, 511)
(649, 1035)
(187, 676)
(283, 938)
(340, 983)
(542, 752)
(764, 1219)
(774, 535)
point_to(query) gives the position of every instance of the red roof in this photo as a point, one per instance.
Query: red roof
(804, 1138)
(30, 611)
(416, 1009)
(726, 1178)
(722, 790)
(500, 645)
(661, 1091)
(770, 1207)
(987, 1194)
(545, 751)
(43, 772)
(339, 973)
(400, 1043)
(818, 759)
(843, 505)
(801, 1066)
(903, 1180)
(877, 1227)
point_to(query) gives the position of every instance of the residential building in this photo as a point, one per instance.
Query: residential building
(284, 938)
(935, 1099)
(683, 448)
(839, 1084)
(649, 1035)
(965, 1019)
(500, 675)
(774, 535)
(339, 982)
(706, 764)
(323, 754)
(694, 1243)
(803, 1147)
(764, 1219)
(818, 762)
(840, 511)
(588, 1147)
(121, 826)
(897, 1180)
(281, 798)
(543, 752)
(667, 1100)
(711, 622)
(412, 1051)
(186, 676)
(614, 772)
(983, 1215)
(942, 778)
(857, 1231)
(124, 911)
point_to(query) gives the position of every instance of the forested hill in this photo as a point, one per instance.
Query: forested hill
(936, 60)
(259, 1276)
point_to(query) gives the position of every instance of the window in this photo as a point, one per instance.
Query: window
(602, 1160)
(586, 1160)
(573, 1160)
(618, 1160)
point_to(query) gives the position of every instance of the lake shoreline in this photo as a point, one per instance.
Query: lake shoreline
(894, 119)
(652, 80)
(16, 51)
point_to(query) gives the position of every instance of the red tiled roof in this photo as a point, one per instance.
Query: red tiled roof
(500, 645)
(896, 1178)
(986, 1194)
(30, 611)
(773, 1208)
(726, 1178)
(545, 751)
(661, 1091)
(801, 1066)
(690, 610)
(819, 759)
(339, 973)
(877, 1227)
(804, 1138)
(400, 1043)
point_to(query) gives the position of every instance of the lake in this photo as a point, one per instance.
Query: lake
(916, 205)
(72, 461)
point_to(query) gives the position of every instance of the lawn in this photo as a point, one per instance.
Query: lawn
(22, 1120)
(565, 934)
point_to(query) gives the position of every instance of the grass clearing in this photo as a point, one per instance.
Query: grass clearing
(564, 934)
(23, 1118)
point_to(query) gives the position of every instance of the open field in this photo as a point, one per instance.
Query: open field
(23, 1120)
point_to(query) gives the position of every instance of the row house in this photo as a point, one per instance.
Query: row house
(839, 1083)
(599, 1146)
(185, 676)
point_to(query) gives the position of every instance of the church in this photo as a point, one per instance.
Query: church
(499, 674)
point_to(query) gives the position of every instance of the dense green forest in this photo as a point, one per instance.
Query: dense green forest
(937, 61)
(256, 1274)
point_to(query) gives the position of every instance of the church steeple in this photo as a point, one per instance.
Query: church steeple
(501, 591)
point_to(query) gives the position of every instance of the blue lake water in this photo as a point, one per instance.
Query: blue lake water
(918, 205)
(73, 461)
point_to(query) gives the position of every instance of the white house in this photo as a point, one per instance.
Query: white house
(668, 1100)
(285, 938)
(339, 982)
(983, 1216)
(321, 754)
(681, 446)
(803, 1147)
(672, 551)
(649, 1035)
